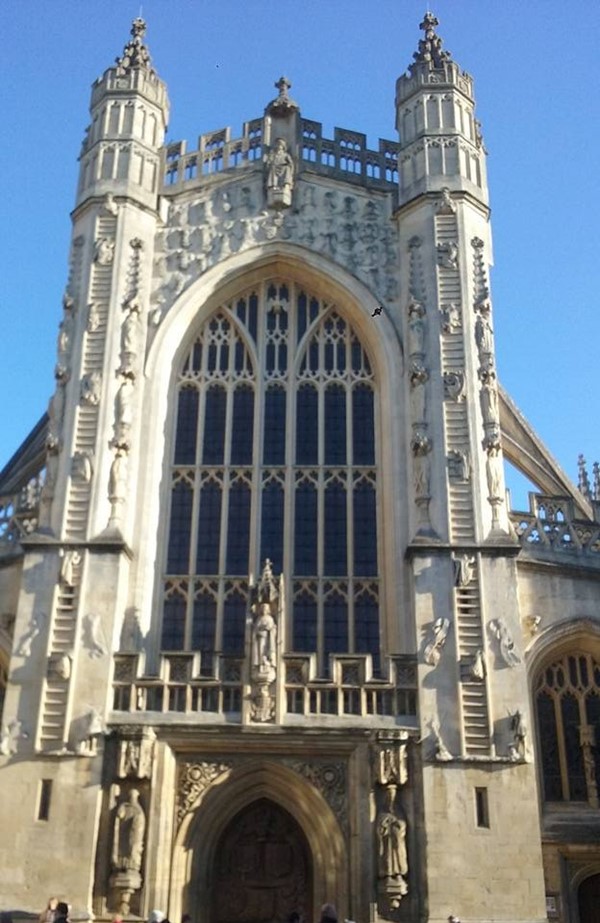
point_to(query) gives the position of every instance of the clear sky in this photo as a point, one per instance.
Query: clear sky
(535, 76)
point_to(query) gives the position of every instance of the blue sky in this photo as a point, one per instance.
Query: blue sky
(535, 83)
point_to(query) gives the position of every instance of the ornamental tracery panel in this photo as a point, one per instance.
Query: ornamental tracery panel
(274, 456)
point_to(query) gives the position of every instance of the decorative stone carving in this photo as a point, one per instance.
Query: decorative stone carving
(587, 742)
(506, 645)
(93, 317)
(478, 668)
(459, 464)
(446, 205)
(436, 640)
(454, 385)
(81, 467)
(464, 570)
(71, 560)
(329, 778)
(123, 413)
(135, 754)
(440, 751)
(494, 476)
(117, 485)
(194, 779)
(517, 747)
(447, 254)
(85, 732)
(391, 762)
(484, 338)
(264, 646)
(36, 624)
(65, 338)
(104, 251)
(93, 636)
(110, 206)
(532, 623)
(451, 318)
(12, 733)
(130, 334)
(59, 667)
(280, 175)
(421, 448)
(90, 389)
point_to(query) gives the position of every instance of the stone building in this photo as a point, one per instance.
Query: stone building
(271, 634)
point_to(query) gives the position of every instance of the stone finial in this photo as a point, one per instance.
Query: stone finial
(135, 54)
(430, 47)
(596, 473)
(282, 104)
(583, 481)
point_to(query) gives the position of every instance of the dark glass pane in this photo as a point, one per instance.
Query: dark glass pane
(243, 426)
(335, 627)
(575, 770)
(549, 747)
(307, 426)
(335, 426)
(209, 529)
(178, 557)
(302, 318)
(271, 541)
(187, 426)
(335, 538)
(238, 530)
(203, 624)
(305, 623)
(592, 708)
(173, 627)
(365, 531)
(252, 315)
(234, 624)
(366, 622)
(214, 426)
(305, 531)
(274, 438)
(363, 427)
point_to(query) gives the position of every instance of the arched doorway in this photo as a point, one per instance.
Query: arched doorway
(588, 900)
(262, 868)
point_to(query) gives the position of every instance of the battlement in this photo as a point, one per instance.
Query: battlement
(346, 156)
(142, 81)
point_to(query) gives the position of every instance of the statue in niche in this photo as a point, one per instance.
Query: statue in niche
(437, 639)
(135, 755)
(451, 319)
(263, 652)
(446, 205)
(280, 175)
(460, 465)
(421, 447)
(464, 570)
(81, 467)
(264, 639)
(128, 837)
(493, 470)
(489, 403)
(117, 484)
(478, 668)
(391, 835)
(484, 336)
(392, 769)
(454, 383)
(123, 410)
(506, 644)
(93, 318)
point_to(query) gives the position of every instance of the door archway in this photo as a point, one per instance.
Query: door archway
(588, 899)
(262, 867)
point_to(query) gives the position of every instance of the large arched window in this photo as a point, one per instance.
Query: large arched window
(274, 456)
(568, 714)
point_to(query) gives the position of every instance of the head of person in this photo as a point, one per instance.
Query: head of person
(62, 909)
(156, 916)
(52, 903)
(328, 913)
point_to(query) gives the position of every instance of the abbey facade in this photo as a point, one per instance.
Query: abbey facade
(271, 635)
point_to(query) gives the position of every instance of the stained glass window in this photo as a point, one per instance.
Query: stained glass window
(274, 455)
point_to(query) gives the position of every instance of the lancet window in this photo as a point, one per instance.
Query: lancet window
(568, 715)
(274, 456)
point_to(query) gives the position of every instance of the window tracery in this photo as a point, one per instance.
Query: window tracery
(274, 456)
(568, 715)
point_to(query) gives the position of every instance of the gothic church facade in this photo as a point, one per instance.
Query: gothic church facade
(271, 635)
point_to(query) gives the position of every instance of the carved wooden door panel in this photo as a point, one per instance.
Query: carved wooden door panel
(262, 868)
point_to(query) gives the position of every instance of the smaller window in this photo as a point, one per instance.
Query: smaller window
(45, 795)
(482, 811)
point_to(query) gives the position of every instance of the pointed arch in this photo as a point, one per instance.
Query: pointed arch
(196, 843)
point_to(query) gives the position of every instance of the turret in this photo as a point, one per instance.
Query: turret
(440, 139)
(129, 110)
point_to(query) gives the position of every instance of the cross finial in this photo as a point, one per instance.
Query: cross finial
(135, 54)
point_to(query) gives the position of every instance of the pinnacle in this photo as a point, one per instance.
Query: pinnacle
(430, 47)
(135, 54)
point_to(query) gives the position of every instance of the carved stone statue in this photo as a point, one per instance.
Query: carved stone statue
(448, 255)
(9, 739)
(391, 835)
(128, 838)
(437, 639)
(463, 570)
(71, 560)
(516, 749)
(104, 251)
(263, 647)
(280, 175)
(506, 644)
(90, 388)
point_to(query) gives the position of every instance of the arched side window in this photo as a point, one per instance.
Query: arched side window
(274, 456)
(567, 696)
